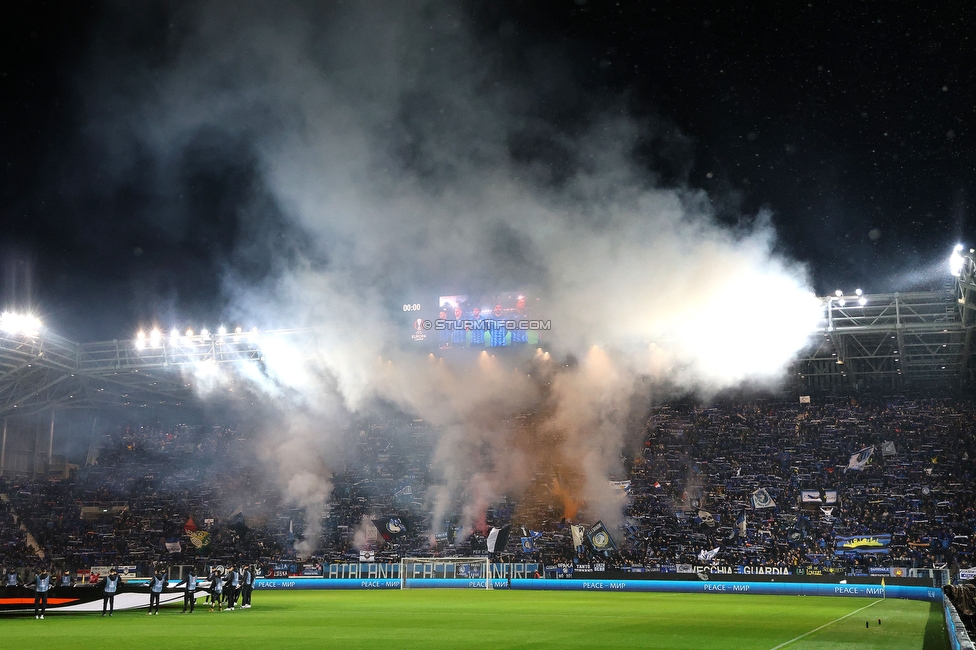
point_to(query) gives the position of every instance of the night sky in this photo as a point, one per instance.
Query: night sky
(851, 123)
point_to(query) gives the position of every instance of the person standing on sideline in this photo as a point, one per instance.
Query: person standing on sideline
(155, 590)
(12, 579)
(42, 583)
(248, 586)
(189, 590)
(231, 585)
(110, 587)
(216, 590)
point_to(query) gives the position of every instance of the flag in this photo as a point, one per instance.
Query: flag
(405, 492)
(578, 532)
(534, 534)
(740, 521)
(859, 460)
(199, 538)
(528, 546)
(367, 556)
(623, 486)
(799, 531)
(708, 556)
(707, 519)
(888, 448)
(390, 527)
(761, 499)
(657, 484)
(173, 545)
(600, 538)
(238, 525)
(498, 538)
(189, 526)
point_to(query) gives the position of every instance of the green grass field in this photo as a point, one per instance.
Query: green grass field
(500, 619)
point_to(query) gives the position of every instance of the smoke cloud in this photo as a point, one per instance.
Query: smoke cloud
(394, 156)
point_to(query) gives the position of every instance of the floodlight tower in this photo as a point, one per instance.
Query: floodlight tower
(903, 339)
(962, 265)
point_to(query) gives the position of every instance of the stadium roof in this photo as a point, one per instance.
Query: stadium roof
(921, 339)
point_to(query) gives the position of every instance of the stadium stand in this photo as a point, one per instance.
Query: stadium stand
(692, 490)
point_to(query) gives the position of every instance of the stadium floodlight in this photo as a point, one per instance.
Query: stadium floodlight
(841, 302)
(205, 333)
(858, 292)
(140, 340)
(238, 329)
(838, 293)
(862, 301)
(22, 324)
(174, 335)
(221, 331)
(956, 261)
(155, 338)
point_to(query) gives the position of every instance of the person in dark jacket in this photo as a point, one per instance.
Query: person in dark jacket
(42, 584)
(110, 587)
(155, 590)
(231, 584)
(247, 582)
(189, 590)
(216, 589)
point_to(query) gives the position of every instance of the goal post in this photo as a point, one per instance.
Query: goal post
(415, 571)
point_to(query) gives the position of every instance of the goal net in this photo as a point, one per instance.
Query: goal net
(464, 572)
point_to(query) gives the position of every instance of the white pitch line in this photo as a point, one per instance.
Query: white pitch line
(783, 645)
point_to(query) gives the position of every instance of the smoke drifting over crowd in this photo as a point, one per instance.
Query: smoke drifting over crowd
(391, 154)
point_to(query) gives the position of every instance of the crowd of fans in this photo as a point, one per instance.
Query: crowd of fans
(693, 484)
(191, 495)
(152, 497)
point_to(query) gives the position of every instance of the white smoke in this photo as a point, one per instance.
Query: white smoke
(382, 138)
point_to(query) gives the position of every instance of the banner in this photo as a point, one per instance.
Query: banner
(859, 460)
(199, 538)
(888, 448)
(528, 546)
(390, 527)
(818, 496)
(498, 538)
(578, 532)
(622, 486)
(600, 538)
(173, 545)
(862, 544)
(761, 499)
(708, 556)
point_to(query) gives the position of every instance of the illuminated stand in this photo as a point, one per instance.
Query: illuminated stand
(897, 340)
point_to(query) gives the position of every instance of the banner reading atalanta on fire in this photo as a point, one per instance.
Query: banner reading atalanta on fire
(862, 544)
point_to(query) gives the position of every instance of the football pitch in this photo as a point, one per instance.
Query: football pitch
(453, 618)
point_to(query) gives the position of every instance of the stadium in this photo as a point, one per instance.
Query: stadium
(850, 489)
(516, 324)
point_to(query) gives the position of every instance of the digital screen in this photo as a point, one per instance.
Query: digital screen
(507, 319)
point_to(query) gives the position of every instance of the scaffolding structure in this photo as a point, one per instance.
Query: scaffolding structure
(45, 371)
(896, 341)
